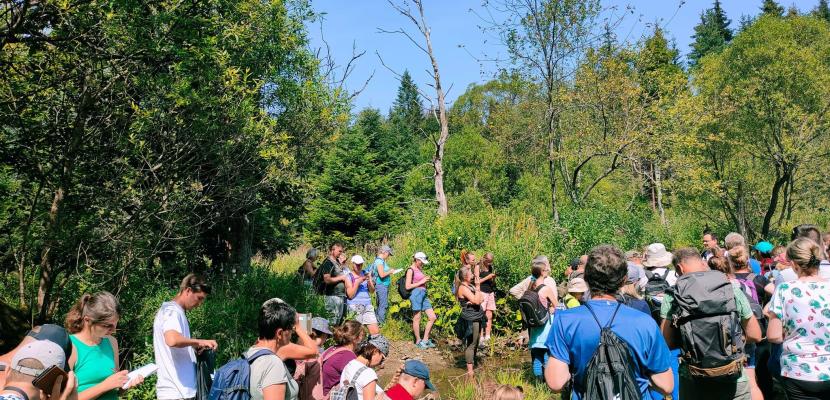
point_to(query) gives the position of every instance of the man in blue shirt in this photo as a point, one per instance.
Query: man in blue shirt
(383, 278)
(574, 336)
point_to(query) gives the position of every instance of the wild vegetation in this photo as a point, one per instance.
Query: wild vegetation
(141, 141)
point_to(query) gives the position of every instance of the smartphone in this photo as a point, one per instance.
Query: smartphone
(46, 380)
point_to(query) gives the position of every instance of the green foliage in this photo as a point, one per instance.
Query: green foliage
(822, 11)
(712, 34)
(354, 202)
(772, 8)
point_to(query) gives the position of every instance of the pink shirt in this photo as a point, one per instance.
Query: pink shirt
(418, 275)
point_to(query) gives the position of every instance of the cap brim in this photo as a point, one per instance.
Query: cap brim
(327, 332)
(429, 384)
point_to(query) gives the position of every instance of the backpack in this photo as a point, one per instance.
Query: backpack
(347, 391)
(711, 335)
(402, 287)
(750, 289)
(233, 380)
(656, 285)
(610, 373)
(534, 314)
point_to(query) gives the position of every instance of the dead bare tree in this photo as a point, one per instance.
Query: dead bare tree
(439, 105)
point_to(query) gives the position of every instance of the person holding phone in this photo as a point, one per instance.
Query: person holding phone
(92, 322)
(35, 374)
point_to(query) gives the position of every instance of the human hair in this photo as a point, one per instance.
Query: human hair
(396, 377)
(682, 254)
(311, 253)
(719, 263)
(335, 244)
(195, 282)
(367, 350)
(459, 276)
(733, 239)
(806, 254)
(777, 250)
(275, 314)
(536, 271)
(806, 230)
(351, 332)
(739, 257)
(541, 261)
(98, 307)
(606, 269)
(630, 289)
(507, 392)
(709, 232)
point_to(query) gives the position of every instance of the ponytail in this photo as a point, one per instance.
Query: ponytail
(98, 307)
(464, 253)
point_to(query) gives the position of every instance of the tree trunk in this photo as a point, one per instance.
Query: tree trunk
(48, 272)
(658, 188)
(780, 181)
(242, 240)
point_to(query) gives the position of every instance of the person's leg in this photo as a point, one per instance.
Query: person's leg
(538, 357)
(754, 390)
(383, 301)
(430, 321)
(470, 351)
(416, 326)
(370, 319)
(489, 328)
(762, 373)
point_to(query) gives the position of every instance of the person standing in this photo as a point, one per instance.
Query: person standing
(174, 349)
(710, 245)
(307, 269)
(269, 378)
(416, 281)
(334, 284)
(539, 270)
(486, 278)
(575, 334)
(91, 322)
(383, 278)
(799, 318)
(470, 299)
(359, 295)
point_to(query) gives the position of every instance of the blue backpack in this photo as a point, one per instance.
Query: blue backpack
(233, 380)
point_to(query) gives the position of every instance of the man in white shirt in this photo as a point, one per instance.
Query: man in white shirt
(175, 350)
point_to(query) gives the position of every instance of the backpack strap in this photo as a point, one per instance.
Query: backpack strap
(330, 353)
(597, 319)
(538, 288)
(258, 354)
(357, 375)
(666, 274)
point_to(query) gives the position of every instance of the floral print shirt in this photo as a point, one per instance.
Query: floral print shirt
(804, 311)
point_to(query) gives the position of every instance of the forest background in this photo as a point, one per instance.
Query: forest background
(140, 141)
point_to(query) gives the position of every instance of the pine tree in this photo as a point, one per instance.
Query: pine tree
(771, 7)
(792, 11)
(657, 58)
(399, 145)
(712, 34)
(745, 22)
(354, 202)
(822, 11)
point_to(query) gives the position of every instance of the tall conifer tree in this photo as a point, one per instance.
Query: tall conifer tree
(771, 7)
(712, 34)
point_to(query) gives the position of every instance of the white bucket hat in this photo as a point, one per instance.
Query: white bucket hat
(657, 256)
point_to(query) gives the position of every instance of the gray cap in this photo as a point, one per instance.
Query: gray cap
(321, 325)
(380, 342)
(46, 352)
(386, 249)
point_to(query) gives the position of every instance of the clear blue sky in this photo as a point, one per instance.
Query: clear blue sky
(454, 25)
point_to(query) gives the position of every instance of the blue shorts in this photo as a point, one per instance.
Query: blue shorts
(750, 356)
(419, 299)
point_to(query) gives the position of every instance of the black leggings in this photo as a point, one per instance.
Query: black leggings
(806, 390)
(472, 345)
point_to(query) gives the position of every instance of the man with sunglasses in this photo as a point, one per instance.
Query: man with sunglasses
(175, 351)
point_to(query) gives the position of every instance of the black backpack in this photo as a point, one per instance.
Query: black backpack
(317, 282)
(610, 373)
(711, 334)
(402, 287)
(657, 284)
(534, 314)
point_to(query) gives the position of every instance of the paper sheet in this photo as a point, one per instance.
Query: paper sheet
(144, 371)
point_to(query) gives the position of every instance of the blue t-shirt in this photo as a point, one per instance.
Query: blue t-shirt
(376, 268)
(574, 338)
(755, 266)
(362, 296)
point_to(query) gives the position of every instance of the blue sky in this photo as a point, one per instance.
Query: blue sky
(454, 25)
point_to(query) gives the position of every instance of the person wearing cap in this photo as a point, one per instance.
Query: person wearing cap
(309, 372)
(361, 371)
(416, 281)
(307, 270)
(382, 274)
(576, 291)
(358, 293)
(28, 362)
(320, 332)
(763, 250)
(53, 333)
(269, 376)
(630, 292)
(412, 380)
(173, 347)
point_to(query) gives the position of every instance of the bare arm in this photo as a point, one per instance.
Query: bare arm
(752, 330)
(351, 287)
(663, 382)
(466, 293)
(175, 339)
(369, 390)
(775, 329)
(770, 288)
(557, 374)
(669, 333)
(382, 272)
(333, 280)
(308, 266)
(412, 285)
(274, 392)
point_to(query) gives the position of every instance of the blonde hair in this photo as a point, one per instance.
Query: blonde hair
(630, 289)
(507, 392)
(98, 307)
(739, 257)
(806, 254)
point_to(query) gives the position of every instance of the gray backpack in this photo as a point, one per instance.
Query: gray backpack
(712, 338)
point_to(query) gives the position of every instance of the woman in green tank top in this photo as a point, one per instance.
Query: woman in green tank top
(92, 321)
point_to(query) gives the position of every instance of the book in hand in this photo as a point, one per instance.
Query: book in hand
(144, 371)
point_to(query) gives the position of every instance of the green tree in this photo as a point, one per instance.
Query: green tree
(354, 202)
(771, 7)
(399, 146)
(822, 10)
(712, 34)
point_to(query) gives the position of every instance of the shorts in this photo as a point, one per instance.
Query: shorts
(419, 299)
(336, 307)
(751, 358)
(364, 313)
(489, 303)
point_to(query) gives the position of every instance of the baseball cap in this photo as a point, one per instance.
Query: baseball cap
(577, 285)
(321, 325)
(380, 342)
(764, 247)
(45, 351)
(56, 334)
(357, 259)
(418, 369)
(421, 256)
(386, 249)
(635, 273)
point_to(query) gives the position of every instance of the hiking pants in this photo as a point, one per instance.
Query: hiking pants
(695, 389)
(336, 307)
(382, 292)
(805, 390)
(472, 345)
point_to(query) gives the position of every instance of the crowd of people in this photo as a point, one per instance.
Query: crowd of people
(723, 323)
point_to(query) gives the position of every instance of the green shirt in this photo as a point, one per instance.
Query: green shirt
(741, 302)
(94, 365)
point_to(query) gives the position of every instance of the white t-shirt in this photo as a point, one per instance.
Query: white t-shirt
(177, 366)
(365, 378)
(269, 370)
(671, 278)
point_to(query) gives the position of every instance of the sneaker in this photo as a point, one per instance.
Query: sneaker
(430, 344)
(422, 345)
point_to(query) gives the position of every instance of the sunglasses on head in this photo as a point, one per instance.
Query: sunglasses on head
(200, 287)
